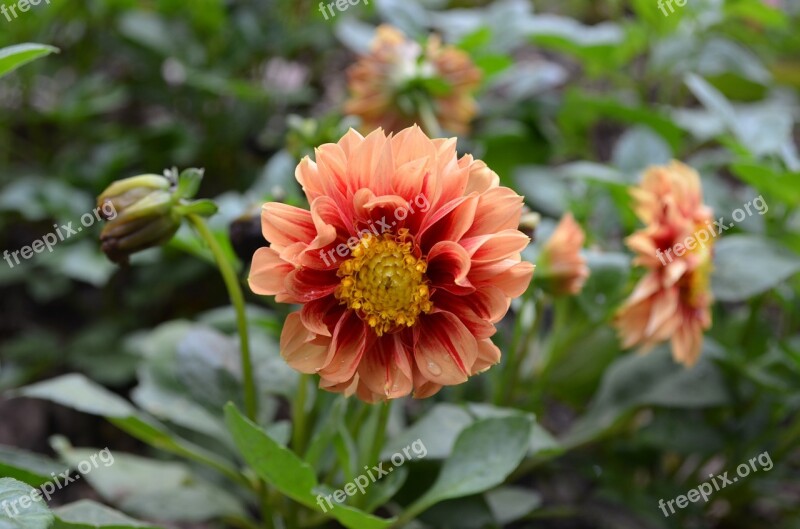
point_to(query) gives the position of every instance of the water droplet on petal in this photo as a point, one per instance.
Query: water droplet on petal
(434, 369)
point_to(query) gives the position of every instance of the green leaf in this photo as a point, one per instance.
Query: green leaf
(639, 148)
(783, 186)
(88, 514)
(31, 468)
(747, 265)
(20, 511)
(652, 379)
(439, 428)
(483, 457)
(80, 393)
(284, 470)
(509, 504)
(12, 57)
(77, 392)
(189, 183)
(150, 488)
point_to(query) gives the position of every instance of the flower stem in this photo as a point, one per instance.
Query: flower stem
(428, 117)
(380, 432)
(237, 299)
(299, 416)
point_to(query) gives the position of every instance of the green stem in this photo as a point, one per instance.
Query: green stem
(237, 299)
(380, 433)
(428, 117)
(299, 416)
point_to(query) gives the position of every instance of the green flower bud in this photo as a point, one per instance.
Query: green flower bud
(144, 215)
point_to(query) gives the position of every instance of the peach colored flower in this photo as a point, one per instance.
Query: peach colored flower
(407, 258)
(561, 264)
(672, 301)
(399, 80)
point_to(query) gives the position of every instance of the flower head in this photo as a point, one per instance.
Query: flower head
(672, 301)
(143, 215)
(562, 267)
(407, 258)
(147, 210)
(400, 82)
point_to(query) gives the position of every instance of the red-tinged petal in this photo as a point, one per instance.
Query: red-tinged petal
(448, 267)
(347, 388)
(386, 369)
(424, 388)
(363, 160)
(408, 178)
(350, 141)
(346, 349)
(488, 355)
(301, 348)
(499, 209)
(268, 272)
(449, 223)
(284, 225)
(514, 281)
(446, 350)
(307, 284)
(321, 315)
(412, 144)
(495, 247)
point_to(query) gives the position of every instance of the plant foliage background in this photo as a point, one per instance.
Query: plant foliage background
(578, 98)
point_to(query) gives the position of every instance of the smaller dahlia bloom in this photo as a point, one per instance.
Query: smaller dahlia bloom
(399, 81)
(405, 262)
(672, 301)
(562, 268)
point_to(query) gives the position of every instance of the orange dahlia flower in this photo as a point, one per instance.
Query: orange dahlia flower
(407, 258)
(399, 82)
(673, 300)
(562, 266)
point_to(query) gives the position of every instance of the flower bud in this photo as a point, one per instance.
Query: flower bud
(561, 268)
(145, 215)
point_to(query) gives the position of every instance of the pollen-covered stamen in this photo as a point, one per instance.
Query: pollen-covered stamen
(384, 282)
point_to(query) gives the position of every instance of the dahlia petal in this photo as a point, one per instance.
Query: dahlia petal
(448, 267)
(307, 284)
(488, 355)
(317, 314)
(385, 369)
(499, 209)
(350, 141)
(497, 246)
(346, 349)
(446, 350)
(514, 281)
(408, 178)
(284, 225)
(268, 272)
(449, 223)
(412, 144)
(299, 347)
(363, 161)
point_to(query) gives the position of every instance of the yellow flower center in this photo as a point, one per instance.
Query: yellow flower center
(384, 282)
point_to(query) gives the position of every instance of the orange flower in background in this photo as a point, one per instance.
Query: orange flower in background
(562, 266)
(407, 258)
(672, 302)
(399, 82)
